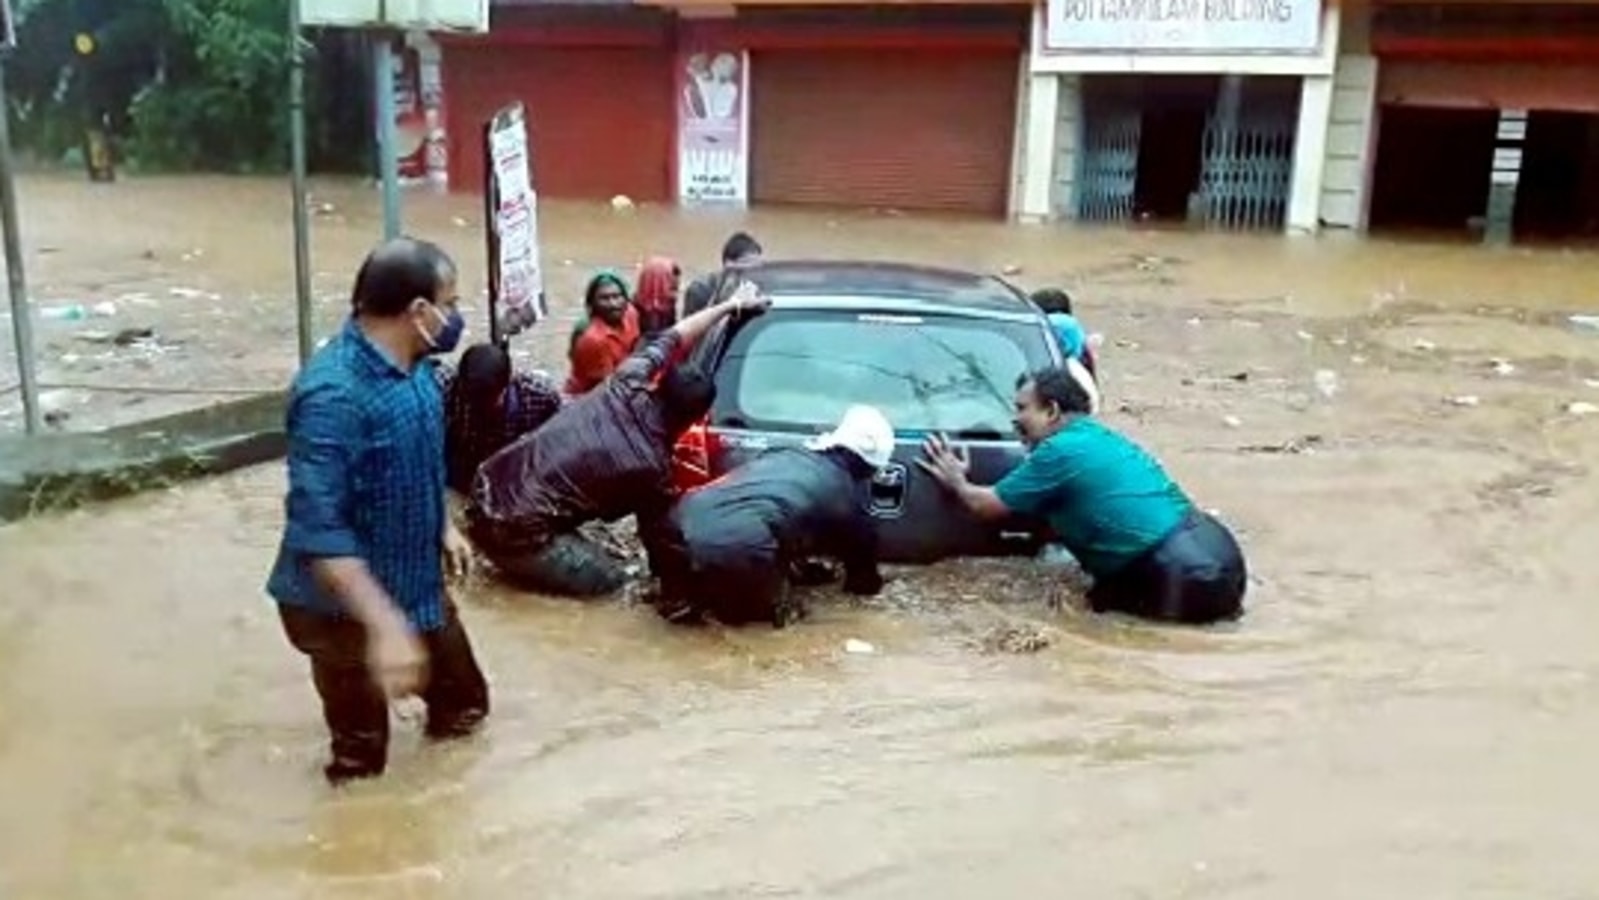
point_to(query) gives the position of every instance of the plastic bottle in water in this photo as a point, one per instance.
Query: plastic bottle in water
(71, 313)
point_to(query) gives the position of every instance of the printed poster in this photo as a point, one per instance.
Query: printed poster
(713, 127)
(519, 278)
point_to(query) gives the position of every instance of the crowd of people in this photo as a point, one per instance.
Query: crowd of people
(379, 431)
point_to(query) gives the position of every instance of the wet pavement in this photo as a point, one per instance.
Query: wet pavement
(1400, 432)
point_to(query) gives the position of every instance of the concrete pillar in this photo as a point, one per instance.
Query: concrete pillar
(1038, 152)
(1310, 154)
(1504, 178)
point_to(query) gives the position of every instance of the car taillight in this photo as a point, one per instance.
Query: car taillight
(691, 458)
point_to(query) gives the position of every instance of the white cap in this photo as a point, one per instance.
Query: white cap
(863, 430)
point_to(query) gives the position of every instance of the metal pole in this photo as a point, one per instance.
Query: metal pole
(21, 311)
(388, 137)
(302, 219)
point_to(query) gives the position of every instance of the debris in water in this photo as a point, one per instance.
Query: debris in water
(1015, 638)
(105, 309)
(1581, 408)
(1358, 360)
(1298, 445)
(858, 647)
(1466, 400)
(460, 222)
(1502, 367)
(1304, 335)
(1591, 382)
(1326, 382)
(1423, 344)
(1232, 421)
(622, 203)
(1011, 270)
(1590, 322)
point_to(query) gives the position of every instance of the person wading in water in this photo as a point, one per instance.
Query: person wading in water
(359, 575)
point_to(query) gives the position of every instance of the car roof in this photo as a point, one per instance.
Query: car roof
(891, 287)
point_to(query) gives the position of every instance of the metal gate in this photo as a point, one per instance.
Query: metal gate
(1249, 154)
(1107, 154)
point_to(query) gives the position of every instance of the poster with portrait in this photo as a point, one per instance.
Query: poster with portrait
(516, 277)
(713, 127)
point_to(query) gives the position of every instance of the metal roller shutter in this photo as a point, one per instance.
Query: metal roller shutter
(599, 119)
(907, 129)
(1468, 85)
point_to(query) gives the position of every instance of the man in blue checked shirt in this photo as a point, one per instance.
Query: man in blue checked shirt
(359, 578)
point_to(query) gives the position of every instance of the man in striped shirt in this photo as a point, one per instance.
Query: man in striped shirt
(604, 456)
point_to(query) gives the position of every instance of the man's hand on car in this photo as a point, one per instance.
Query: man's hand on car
(947, 464)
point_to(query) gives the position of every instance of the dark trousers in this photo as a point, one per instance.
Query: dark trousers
(1195, 576)
(569, 565)
(741, 586)
(355, 708)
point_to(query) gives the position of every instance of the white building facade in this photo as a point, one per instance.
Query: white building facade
(1234, 114)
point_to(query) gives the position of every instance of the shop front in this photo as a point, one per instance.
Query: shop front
(1209, 112)
(597, 86)
(1487, 119)
(910, 108)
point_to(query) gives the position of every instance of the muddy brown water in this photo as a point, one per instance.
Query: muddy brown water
(1408, 710)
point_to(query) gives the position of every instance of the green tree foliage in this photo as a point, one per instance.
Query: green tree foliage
(182, 84)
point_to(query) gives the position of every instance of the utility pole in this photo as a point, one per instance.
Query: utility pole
(17, 285)
(302, 219)
(388, 129)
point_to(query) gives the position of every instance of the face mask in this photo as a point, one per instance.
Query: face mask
(449, 337)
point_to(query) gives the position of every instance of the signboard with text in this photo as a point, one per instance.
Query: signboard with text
(516, 277)
(713, 127)
(1182, 26)
(427, 15)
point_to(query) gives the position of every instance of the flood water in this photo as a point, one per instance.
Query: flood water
(1408, 710)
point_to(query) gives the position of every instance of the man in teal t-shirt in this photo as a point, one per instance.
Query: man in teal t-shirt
(1150, 551)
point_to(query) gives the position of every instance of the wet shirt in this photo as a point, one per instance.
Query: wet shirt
(599, 349)
(1104, 496)
(781, 505)
(366, 478)
(470, 437)
(1069, 333)
(605, 455)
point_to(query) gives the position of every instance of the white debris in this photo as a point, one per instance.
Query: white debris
(1502, 367)
(1467, 400)
(1581, 408)
(858, 647)
(1423, 344)
(104, 310)
(1304, 335)
(622, 203)
(1591, 382)
(1326, 381)
(1232, 421)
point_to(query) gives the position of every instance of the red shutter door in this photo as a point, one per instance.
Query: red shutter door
(1486, 85)
(907, 129)
(599, 119)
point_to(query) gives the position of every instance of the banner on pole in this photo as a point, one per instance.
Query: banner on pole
(511, 224)
(8, 28)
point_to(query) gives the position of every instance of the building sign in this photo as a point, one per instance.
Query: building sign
(426, 15)
(1182, 26)
(713, 127)
(516, 279)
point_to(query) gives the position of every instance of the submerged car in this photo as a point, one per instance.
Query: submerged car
(937, 350)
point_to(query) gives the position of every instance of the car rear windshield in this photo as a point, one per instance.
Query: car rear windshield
(926, 373)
